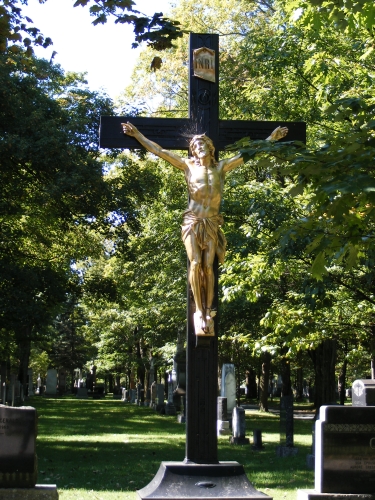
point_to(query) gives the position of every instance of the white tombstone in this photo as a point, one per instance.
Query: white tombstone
(228, 386)
(30, 382)
(51, 383)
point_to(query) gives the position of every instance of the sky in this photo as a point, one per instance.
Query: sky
(103, 51)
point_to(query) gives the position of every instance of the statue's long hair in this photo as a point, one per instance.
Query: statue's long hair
(209, 143)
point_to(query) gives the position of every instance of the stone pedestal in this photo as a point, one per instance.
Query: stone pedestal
(313, 495)
(180, 481)
(223, 427)
(39, 492)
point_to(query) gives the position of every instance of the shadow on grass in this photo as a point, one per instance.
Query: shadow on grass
(103, 445)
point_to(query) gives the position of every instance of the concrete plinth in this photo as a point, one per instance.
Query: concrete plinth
(39, 492)
(313, 495)
(177, 481)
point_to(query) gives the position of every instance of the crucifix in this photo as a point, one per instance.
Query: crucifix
(160, 135)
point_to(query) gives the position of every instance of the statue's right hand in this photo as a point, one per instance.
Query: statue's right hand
(129, 129)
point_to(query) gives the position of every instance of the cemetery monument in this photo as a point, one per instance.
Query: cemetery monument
(344, 454)
(200, 474)
(18, 460)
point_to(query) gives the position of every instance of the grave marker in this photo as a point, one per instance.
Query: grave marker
(51, 383)
(228, 386)
(30, 385)
(222, 417)
(18, 461)
(344, 454)
(286, 447)
(363, 392)
(239, 427)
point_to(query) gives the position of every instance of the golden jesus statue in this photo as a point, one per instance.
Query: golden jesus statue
(202, 221)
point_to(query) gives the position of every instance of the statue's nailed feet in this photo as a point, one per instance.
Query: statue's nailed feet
(204, 323)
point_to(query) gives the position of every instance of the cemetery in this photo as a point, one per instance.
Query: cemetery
(187, 269)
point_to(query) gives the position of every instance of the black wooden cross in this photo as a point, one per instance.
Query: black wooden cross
(175, 133)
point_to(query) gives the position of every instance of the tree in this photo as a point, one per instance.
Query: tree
(17, 32)
(53, 191)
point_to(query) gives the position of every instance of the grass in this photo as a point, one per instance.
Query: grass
(105, 449)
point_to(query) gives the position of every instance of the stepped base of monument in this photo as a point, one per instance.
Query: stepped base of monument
(38, 492)
(314, 495)
(177, 481)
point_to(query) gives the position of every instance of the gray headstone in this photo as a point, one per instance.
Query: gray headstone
(133, 395)
(51, 382)
(30, 382)
(257, 440)
(62, 382)
(345, 450)
(286, 421)
(18, 464)
(228, 386)
(286, 447)
(239, 426)
(363, 392)
(222, 413)
(148, 397)
(153, 395)
(82, 393)
(223, 426)
(159, 394)
(170, 408)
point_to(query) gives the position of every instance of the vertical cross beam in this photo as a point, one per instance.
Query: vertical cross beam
(201, 373)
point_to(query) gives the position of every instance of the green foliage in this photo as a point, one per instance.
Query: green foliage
(18, 35)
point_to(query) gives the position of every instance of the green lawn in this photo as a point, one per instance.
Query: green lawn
(105, 449)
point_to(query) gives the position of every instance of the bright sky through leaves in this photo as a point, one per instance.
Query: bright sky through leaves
(104, 51)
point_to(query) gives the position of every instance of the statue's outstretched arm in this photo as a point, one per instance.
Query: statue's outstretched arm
(232, 163)
(154, 148)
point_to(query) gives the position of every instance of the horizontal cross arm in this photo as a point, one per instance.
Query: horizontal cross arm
(175, 133)
(169, 133)
(231, 131)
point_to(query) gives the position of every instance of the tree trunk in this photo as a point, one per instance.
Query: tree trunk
(264, 381)
(72, 380)
(299, 383)
(324, 360)
(24, 347)
(251, 384)
(286, 388)
(342, 382)
(140, 365)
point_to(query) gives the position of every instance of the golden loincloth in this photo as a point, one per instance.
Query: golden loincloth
(205, 230)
